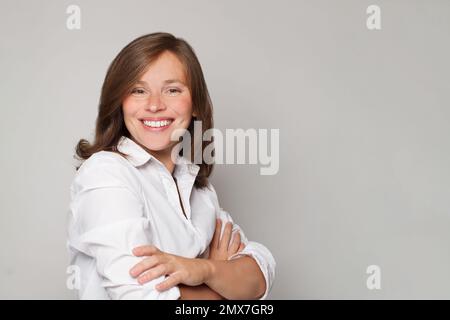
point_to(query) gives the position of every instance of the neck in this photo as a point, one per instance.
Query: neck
(164, 156)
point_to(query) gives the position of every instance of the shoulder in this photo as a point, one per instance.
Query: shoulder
(105, 169)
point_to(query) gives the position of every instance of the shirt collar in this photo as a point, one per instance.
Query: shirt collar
(135, 153)
(184, 165)
(138, 157)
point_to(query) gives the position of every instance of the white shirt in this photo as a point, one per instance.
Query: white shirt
(118, 204)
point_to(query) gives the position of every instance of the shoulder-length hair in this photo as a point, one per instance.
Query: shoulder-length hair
(125, 70)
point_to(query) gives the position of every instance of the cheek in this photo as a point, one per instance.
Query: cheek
(129, 109)
(184, 107)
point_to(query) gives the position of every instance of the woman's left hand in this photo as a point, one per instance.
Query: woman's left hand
(191, 272)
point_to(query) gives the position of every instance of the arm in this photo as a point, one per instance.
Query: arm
(201, 292)
(232, 279)
(260, 255)
(220, 248)
(239, 278)
(109, 219)
(249, 277)
(259, 262)
(236, 279)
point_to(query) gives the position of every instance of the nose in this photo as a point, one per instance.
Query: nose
(155, 104)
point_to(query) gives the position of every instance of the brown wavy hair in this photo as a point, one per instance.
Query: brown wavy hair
(125, 70)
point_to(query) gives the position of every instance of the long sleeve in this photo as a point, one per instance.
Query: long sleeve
(257, 251)
(109, 222)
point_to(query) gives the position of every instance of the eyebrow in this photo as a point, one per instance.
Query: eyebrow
(173, 81)
(169, 81)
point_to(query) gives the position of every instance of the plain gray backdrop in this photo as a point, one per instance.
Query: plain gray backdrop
(364, 134)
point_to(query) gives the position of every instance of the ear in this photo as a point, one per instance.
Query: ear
(194, 114)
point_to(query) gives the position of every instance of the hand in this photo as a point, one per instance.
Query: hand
(191, 272)
(221, 249)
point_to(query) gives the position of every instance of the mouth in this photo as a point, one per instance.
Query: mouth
(157, 124)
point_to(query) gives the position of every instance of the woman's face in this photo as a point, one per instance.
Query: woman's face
(159, 104)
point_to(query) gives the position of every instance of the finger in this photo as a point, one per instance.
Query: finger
(153, 273)
(216, 236)
(144, 265)
(241, 247)
(225, 241)
(170, 282)
(235, 243)
(146, 250)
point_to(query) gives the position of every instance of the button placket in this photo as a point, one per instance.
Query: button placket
(172, 194)
(171, 191)
(183, 185)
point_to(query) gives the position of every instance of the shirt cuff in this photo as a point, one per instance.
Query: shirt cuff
(263, 258)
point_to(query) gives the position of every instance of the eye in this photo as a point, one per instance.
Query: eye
(173, 91)
(138, 91)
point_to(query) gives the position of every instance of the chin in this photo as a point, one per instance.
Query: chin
(157, 146)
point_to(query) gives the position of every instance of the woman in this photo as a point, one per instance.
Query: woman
(145, 222)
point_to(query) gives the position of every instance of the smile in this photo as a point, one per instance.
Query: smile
(159, 124)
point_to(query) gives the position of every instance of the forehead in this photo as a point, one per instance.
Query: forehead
(166, 66)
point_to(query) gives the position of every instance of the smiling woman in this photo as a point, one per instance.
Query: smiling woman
(159, 104)
(142, 224)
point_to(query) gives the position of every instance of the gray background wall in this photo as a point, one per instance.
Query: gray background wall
(364, 133)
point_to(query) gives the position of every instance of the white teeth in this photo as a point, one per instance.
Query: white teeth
(157, 124)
